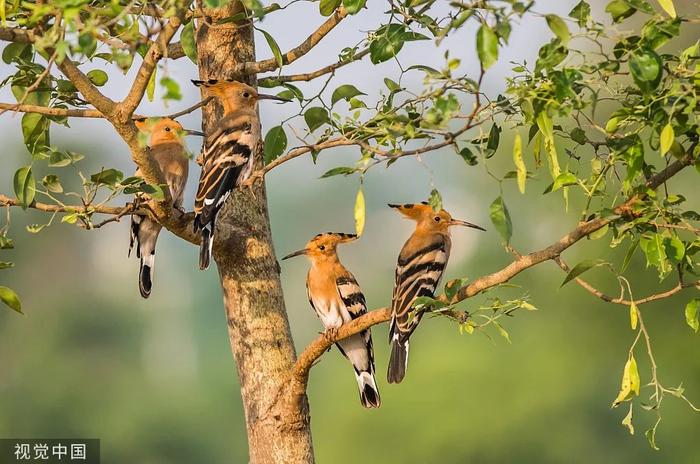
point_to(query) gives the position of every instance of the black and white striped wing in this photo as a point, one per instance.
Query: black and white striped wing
(356, 305)
(417, 274)
(227, 157)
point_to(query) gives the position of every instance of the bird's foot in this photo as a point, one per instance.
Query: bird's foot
(331, 334)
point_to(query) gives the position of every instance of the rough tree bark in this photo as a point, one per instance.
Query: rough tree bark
(258, 327)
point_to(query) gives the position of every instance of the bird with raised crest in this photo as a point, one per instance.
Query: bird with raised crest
(168, 150)
(337, 299)
(229, 155)
(421, 263)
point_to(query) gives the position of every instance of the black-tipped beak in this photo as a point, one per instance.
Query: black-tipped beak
(457, 222)
(194, 132)
(263, 96)
(296, 253)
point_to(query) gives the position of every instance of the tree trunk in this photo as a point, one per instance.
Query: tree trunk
(277, 418)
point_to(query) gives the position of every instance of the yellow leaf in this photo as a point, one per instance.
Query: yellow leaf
(359, 212)
(519, 163)
(627, 421)
(2, 12)
(634, 376)
(151, 88)
(666, 139)
(634, 316)
(668, 7)
(630, 382)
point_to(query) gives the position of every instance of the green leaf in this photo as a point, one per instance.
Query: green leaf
(674, 249)
(344, 170)
(651, 437)
(691, 314)
(646, 68)
(172, 89)
(520, 167)
(16, 51)
(493, 140)
(276, 52)
(187, 40)
(653, 247)
(98, 77)
(315, 117)
(581, 13)
(109, 177)
(387, 42)
(468, 156)
(35, 130)
(10, 298)
(619, 10)
(666, 139)
(563, 180)
(501, 219)
(435, 200)
(25, 186)
(6, 265)
(452, 287)
(580, 268)
(327, 7)
(353, 6)
(275, 143)
(487, 46)
(559, 27)
(668, 7)
(345, 92)
(52, 183)
(578, 135)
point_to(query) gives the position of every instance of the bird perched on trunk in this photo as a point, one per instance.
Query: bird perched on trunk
(421, 263)
(229, 155)
(168, 150)
(337, 299)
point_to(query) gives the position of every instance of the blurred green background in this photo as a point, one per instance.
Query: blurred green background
(154, 379)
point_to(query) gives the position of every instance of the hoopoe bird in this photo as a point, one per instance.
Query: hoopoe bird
(168, 150)
(337, 299)
(229, 154)
(421, 263)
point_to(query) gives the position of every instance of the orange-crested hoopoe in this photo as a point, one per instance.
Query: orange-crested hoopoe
(337, 299)
(229, 154)
(421, 263)
(168, 150)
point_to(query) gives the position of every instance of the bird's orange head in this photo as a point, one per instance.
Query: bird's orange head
(323, 245)
(163, 130)
(234, 95)
(430, 220)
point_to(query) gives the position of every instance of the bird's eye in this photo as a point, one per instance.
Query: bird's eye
(167, 129)
(246, 95)
(322, 247)
(437, 218)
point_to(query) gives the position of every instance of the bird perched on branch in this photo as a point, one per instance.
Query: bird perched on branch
(168, 150)
(421, 263)
(229, 154)
(337, 299)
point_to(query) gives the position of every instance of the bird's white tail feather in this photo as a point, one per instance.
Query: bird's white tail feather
(369, 393)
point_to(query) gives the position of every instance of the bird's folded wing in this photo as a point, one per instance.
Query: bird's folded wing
(417, 274)
(223, 161)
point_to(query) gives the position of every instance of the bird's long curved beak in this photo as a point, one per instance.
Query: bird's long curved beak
(194, 132)
(296, 253)
(263, 96)
(457, 222)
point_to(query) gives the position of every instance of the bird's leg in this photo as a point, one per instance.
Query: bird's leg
(331, 334)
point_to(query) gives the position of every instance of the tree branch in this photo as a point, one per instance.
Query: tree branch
(12, 34)
(157, 50)
(53, 111)
(81, 82)
(100, 209)
(621, 301)
(323, 342)
(314, 74)
(315, 349)
(302, 49)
